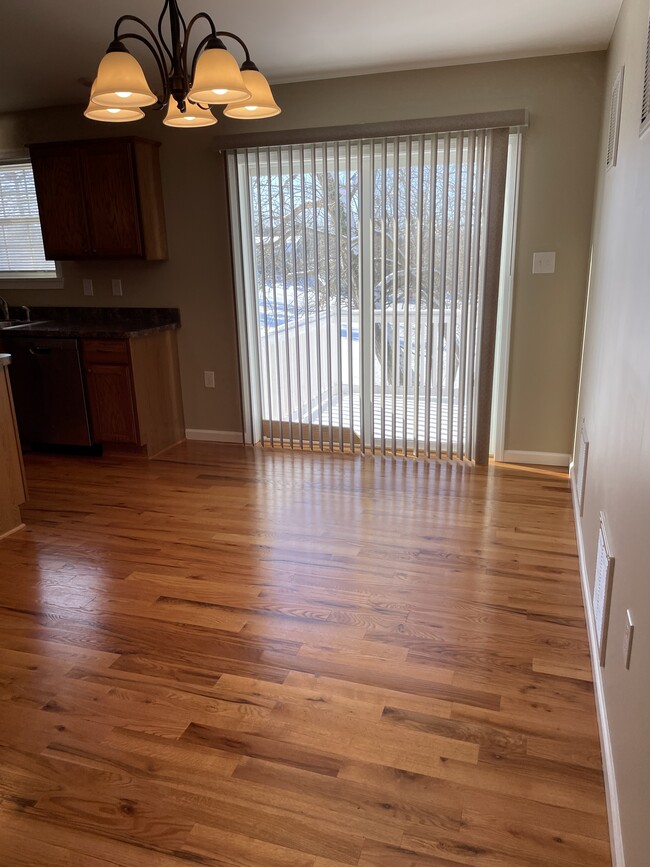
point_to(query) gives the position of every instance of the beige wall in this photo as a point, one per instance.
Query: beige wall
(614, 401)
(563, 94)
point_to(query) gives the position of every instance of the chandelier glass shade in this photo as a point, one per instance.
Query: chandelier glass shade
(94, 111)
(194, 115)
(260, 103)
(218, 66)
(190, 83)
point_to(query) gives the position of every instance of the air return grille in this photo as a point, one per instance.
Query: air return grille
(614, 118)
(645, 104)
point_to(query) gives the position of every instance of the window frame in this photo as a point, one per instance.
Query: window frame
(28, 279)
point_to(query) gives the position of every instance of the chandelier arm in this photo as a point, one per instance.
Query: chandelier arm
(159, 57)
(160, 32)
(154, 38)
(237, 39)
(213, 33)
(199, 49)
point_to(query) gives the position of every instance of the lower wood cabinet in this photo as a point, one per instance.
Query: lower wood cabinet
(133, 388)
(112, 407)
(13, 489)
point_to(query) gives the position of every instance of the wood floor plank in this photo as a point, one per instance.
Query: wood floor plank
(221, 848)
(260, 658)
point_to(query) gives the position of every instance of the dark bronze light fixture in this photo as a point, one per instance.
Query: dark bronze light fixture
(190, 85)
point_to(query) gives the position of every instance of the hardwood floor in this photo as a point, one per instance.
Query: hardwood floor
(269, 659)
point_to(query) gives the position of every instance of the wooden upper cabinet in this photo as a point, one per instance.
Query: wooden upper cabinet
(57, 177)
(100, 199)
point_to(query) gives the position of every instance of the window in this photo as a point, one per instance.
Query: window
(361, 284)
(21, 245)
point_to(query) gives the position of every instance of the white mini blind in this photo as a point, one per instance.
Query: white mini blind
(21, 243)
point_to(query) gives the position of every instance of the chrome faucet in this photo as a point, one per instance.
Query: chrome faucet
(5, 308)
(28, 312)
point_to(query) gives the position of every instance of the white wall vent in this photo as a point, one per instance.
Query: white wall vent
(603, 586)
(581, 467)
(645, 102)
(615, 103)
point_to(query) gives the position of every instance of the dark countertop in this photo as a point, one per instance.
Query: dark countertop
(100, 323)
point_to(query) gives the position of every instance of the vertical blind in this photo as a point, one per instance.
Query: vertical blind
(21, 243)
(360, 272)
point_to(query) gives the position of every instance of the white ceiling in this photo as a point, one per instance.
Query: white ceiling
(49, 45)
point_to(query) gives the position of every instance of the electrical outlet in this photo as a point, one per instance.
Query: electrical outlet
(627, 639)
(117, 287)
(208, 378)
(88, 286)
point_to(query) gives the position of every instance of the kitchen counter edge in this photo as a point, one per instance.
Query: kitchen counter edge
(91, 331)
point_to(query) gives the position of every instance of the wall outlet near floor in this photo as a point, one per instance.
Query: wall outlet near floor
(208, 378)
(117, 287)
(88, 286)
(627, 638)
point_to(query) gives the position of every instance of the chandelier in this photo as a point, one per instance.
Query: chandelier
(189, 84)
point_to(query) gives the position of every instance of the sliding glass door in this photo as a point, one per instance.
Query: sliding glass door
(360, 289)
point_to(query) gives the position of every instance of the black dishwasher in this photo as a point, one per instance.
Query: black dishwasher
(49, 394)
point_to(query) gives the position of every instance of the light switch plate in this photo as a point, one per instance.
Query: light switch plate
(117, 287)
(543, 263)
(208, 378)
(88, 286)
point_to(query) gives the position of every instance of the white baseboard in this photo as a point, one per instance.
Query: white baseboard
(544, 459)
(215, 436)
(613, 813)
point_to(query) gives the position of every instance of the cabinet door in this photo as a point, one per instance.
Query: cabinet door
(57, 177)
(111, 199)
(112, 407)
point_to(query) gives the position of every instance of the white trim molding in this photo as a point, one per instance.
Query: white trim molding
(611, 793)
(544, 459)
(504, 315)
(215, 436)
